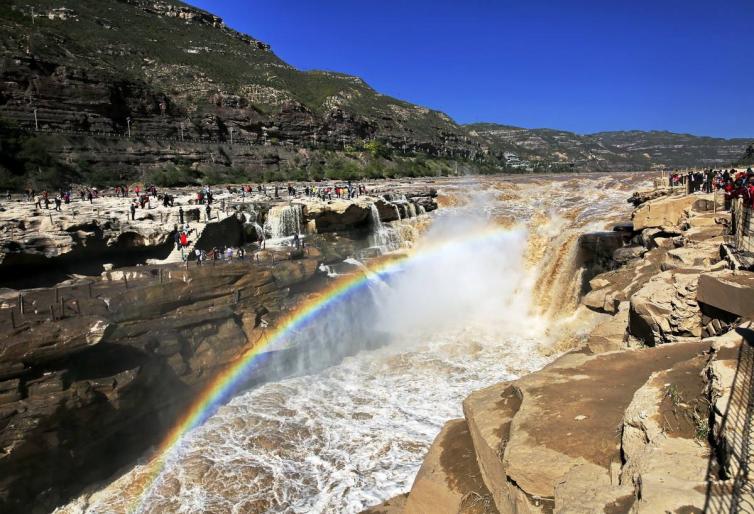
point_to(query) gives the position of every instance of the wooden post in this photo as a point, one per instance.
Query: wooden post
(90, 289)
(62, 307)
(160, 273)
(52, 313)
(13, 318)
(57, 294)
(21, 303)
(125, 280)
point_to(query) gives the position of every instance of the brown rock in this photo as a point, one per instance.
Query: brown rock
(728, 290)
(663, 211)
(449, 480)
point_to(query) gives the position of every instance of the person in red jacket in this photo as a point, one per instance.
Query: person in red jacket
(728, 191)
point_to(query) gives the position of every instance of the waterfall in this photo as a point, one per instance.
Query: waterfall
(384, 237)
(259, 230)
(553, 252)
(422, 210)
(411, 210)
(284, 220)
(250, 215)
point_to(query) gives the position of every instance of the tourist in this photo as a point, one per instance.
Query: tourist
(183, 239)
(198, 253)
(177, 239)
(90, 196)
(133, 211)
(241, 253)
(208, 210)
(709, 177)
(229, 254)
(180, 214)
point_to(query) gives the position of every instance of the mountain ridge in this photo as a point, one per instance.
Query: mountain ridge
(162, 91)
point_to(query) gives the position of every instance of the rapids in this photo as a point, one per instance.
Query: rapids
(353, 434)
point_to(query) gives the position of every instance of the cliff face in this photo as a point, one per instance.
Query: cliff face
(93, 375)
(647, 416)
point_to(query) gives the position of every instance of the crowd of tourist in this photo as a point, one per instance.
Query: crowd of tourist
(734, 184)
(323, 192)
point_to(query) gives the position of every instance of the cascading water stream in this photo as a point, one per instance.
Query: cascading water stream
(338, 438)
(384, 237)
(284, 221)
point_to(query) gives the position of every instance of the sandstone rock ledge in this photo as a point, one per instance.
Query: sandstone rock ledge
(649, 415)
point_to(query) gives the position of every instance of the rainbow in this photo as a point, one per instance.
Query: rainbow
(222, 388)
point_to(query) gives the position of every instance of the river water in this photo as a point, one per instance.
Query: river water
(354, 434)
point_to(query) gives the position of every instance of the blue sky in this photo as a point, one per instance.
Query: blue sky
(586, 66)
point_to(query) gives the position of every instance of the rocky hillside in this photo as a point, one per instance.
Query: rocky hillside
(748, 157)
(622, 150)
(184, 85)
(156, 90)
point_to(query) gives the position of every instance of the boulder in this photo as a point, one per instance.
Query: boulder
(666, 211)
(388, 211)
(449, 481)
(623, 255)
(665, 308)
(338, 215)
(728, 290)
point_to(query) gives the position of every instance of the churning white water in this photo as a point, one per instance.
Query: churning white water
(283, 221)
(384, 236)
(354, 434)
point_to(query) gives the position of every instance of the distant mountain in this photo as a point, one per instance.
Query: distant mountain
(117, 90)
(622, 150)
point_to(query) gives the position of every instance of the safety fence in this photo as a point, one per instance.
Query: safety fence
(740, 237)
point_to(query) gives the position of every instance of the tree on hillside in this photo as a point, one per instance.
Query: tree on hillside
(377, 148)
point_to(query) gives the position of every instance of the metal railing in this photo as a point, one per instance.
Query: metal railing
(740, 236)
(730, 489)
